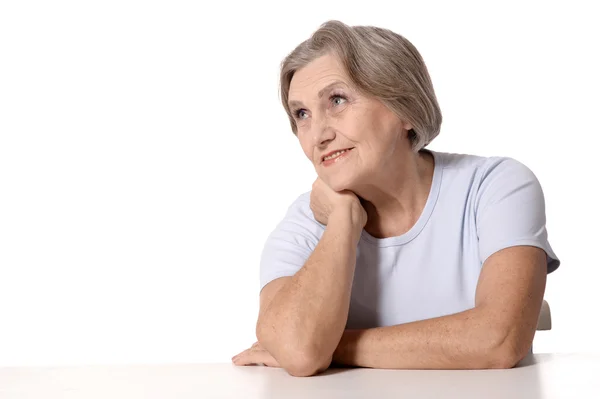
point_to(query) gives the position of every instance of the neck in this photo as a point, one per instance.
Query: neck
(395, 199)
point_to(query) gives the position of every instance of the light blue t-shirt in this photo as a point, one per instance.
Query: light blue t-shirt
(476, 206)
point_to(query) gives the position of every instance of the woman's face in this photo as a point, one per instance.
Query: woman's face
(330, 115)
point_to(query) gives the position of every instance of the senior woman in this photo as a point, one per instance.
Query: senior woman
(400, 257)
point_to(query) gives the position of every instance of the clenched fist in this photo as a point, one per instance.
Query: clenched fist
(324, 202)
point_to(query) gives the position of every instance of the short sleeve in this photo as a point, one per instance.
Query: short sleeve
(510, 210)
(291, 243)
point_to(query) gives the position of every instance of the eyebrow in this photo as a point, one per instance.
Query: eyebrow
(321, 92)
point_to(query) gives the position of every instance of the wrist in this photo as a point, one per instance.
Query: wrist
(348, 220)
(345, 353)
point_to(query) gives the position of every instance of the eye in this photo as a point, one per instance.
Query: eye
(297, 112)
(334, 96)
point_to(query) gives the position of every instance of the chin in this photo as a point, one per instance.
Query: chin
(338, 184)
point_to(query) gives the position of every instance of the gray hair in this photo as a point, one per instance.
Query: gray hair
(380, 63)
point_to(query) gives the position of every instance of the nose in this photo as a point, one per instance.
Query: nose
(322, 133)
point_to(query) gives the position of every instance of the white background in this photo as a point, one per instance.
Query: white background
(145, 157)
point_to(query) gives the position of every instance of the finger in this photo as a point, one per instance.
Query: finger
(254, 346)
(271, 362)
(250, 357)
(245, 358)
(239, 355)
(265, 358)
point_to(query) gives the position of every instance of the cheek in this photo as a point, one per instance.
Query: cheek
(307, 149)
(362, 131)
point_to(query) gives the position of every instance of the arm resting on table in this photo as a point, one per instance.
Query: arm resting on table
(496, 333)
(302, 318)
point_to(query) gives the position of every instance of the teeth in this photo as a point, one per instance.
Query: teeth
(337, 154)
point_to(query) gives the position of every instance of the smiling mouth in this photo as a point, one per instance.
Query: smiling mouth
(339, 154)
(336, 155)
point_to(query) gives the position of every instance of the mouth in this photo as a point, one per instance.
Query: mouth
(336, 155)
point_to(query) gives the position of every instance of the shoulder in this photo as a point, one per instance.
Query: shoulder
(479, 164)
(299, 222)
(500, 176)
(498, 167)
(485, 171)
(300, 211)
(508, 187)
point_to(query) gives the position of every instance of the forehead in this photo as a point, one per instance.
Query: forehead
(316, 75)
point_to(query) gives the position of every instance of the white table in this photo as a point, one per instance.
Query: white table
(538, 376)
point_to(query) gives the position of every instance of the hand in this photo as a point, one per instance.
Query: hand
(324, 201)
(256, 354)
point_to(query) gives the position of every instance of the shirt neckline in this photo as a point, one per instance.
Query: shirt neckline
(425, 214)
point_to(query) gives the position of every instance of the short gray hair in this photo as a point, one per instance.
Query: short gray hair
(380, 63)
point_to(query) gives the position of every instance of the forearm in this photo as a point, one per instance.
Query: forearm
(307, 316)
(460, 341)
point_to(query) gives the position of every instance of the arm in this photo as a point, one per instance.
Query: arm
(302, 323)
(496, 333)
(510, 221)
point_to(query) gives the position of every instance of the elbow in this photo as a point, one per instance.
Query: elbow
(298, 362)
(302, 369)
(502, 359)
(302, 365)
(504, 352)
